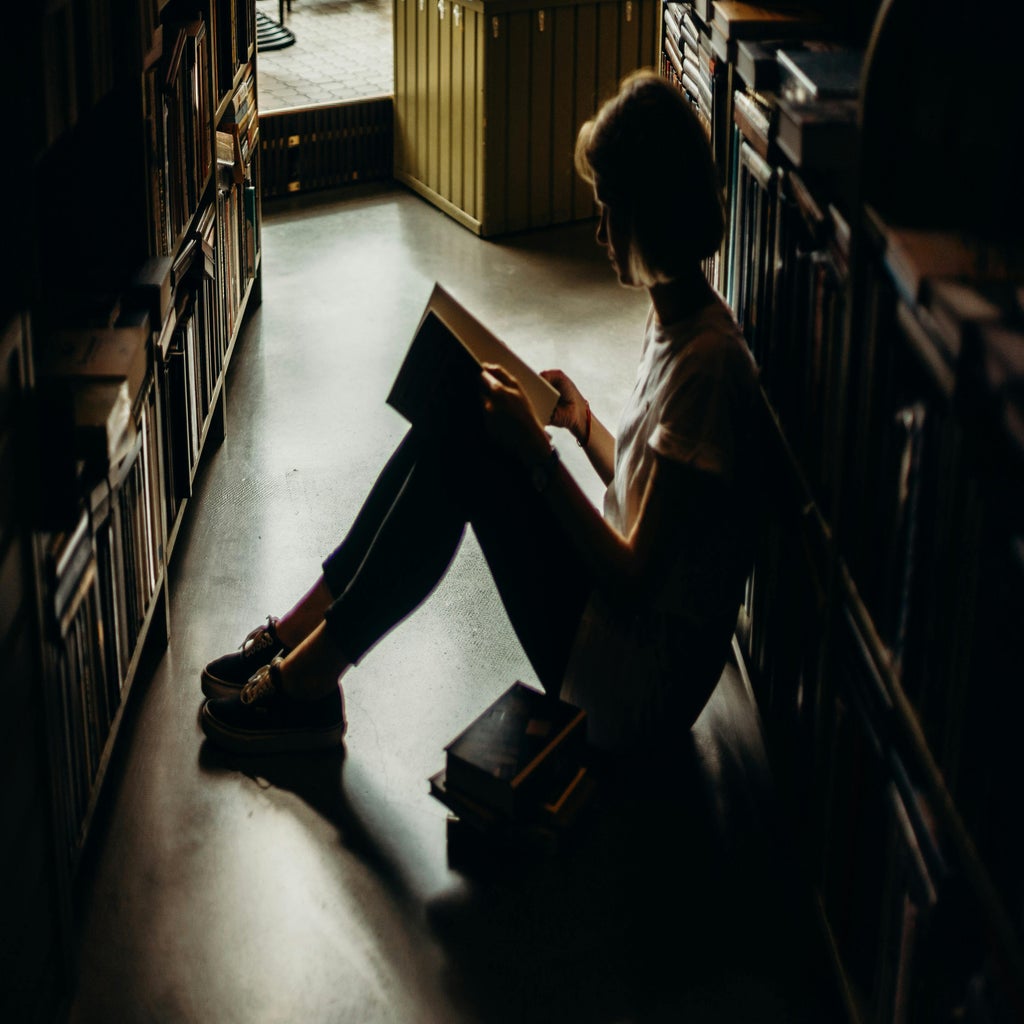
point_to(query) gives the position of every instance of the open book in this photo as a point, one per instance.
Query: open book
(442, 366)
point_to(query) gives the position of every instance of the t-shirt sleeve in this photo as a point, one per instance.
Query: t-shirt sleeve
(704, 413)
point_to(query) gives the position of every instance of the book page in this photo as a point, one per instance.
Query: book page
(486, 348)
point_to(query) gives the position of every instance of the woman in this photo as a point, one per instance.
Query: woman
(628, 614)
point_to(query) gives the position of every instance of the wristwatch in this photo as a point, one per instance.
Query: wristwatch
(542, 470)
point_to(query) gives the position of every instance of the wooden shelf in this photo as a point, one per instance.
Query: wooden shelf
(115, 161)
(837, 349)
(916, 745)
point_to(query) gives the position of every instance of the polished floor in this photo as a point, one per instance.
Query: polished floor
(326, 888)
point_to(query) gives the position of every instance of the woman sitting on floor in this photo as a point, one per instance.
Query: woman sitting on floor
(628, 614)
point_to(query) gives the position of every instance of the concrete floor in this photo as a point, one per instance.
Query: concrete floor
(319, 888)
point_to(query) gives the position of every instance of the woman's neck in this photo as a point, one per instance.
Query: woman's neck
(680, 298)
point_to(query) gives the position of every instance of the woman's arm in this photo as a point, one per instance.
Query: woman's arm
(573, 412)
(624, 567)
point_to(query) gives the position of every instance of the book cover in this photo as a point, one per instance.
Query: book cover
(513, 748)
(736, 20)
(690, 31)
(151, 288)
(723, 48)
(110, 353)
(755, 122)
(104, 429)
(472, 812)
(673, 28)
(816, 74)
(915, 255)
(956, 307)
(819, 134)
(442, 365)
(704, 9)
(756, 64)
(558, 805)
(674, 56)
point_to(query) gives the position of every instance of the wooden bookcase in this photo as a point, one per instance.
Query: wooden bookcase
(136, 220)
(489, 95)
(879, 623)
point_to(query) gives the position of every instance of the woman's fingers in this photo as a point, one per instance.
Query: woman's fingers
(560, 382)
(499, 374)
(571, 404)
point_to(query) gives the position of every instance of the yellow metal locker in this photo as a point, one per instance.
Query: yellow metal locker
(489, 95)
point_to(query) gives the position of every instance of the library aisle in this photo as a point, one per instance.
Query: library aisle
(318, 888)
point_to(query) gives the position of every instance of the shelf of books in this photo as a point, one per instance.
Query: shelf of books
(874, 261)
(141, 237)
(35, 914)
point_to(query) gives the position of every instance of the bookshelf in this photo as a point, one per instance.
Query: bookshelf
(137, 225)
(874, 261)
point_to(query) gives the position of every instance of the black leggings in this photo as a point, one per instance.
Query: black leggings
(410, 526)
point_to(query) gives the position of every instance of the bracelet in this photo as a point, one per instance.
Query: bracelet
(586, 432)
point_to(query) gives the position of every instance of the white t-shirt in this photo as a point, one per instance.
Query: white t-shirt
(694, 402)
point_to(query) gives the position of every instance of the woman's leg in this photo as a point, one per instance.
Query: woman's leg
(295, 702)
(226, 675)
(452, 482)
(342, 564)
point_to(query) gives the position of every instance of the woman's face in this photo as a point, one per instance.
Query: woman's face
(613, 233)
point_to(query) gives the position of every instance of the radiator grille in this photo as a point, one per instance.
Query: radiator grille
(309, 148)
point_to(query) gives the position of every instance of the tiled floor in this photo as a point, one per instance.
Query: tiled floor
(343, 50)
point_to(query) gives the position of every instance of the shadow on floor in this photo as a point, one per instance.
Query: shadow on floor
(649, 912)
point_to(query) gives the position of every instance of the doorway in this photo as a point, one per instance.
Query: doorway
(325, 81)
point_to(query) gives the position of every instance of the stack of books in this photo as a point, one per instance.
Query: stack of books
(519, 771)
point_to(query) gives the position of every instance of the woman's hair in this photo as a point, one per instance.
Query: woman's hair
(648, 155)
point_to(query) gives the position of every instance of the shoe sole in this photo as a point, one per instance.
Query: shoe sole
(239, 741)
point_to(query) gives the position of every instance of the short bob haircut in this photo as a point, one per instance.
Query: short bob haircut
(647, 155)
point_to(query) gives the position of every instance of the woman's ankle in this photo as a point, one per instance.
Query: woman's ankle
(288, 633)
(300, 685)
(312, 669)
(301, 621)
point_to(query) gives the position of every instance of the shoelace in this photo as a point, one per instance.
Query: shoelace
(260, 638)
(261, 685)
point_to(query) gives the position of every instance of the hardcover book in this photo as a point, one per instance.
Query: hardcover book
(113, 354)
(956, 306)
(104, 429)
(756, 64)
(820, 134)
(914, 256)
(816, 74)
(755, 122)
(704, 9)
(444, 360)
(514, 750)
(737, 20)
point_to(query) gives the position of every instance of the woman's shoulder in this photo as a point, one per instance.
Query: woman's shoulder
(713, 338)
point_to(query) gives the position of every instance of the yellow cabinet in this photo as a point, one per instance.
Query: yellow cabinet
(489, 95)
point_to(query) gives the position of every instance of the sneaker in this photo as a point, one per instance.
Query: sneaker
(226, 676)
(262, 719)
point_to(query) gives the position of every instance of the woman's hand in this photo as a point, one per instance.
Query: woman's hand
(509, 416)
(571, 411)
